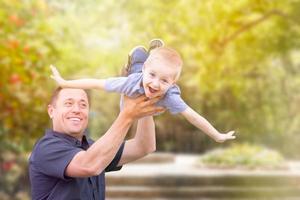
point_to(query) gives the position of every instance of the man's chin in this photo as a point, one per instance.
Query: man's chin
(76, 132)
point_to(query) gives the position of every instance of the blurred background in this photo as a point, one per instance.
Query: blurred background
(241, 70)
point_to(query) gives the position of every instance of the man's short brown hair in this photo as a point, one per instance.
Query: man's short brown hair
(56, 92)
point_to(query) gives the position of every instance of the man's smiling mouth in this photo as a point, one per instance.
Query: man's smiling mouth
(75, 119)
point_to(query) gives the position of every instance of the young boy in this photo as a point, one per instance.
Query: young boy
(153, 73)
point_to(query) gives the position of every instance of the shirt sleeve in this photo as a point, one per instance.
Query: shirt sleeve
(173, 101)
(116, 84)
(125, 85)
(113, 166)
(52, 157)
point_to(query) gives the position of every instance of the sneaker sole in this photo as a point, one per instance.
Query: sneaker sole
(155, 43)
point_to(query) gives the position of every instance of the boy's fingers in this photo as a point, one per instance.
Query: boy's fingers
(232, 138)
(230, 132)
(54, 70)
(52, 67)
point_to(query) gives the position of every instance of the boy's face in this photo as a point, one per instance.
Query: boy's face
(158, 77)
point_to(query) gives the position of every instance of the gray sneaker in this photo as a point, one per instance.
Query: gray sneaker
(136, 58)
(155, 43)
(138, 55)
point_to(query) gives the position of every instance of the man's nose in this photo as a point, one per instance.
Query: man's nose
(76, 108)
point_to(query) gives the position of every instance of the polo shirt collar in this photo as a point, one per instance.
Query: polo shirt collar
(83, 143)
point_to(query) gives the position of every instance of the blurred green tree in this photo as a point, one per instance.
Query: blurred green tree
(241, 65)
(24, 51)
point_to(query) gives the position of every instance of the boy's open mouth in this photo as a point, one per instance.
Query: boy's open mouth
(152, 90)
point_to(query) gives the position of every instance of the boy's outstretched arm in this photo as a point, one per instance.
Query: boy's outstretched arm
(78, 83)
(201, 123)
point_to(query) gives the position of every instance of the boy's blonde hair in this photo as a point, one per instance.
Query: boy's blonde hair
(168, 56)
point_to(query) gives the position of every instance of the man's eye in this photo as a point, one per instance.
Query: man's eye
(68, 104)
(83, 105)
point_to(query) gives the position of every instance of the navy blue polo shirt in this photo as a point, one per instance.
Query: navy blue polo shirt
(47, 164)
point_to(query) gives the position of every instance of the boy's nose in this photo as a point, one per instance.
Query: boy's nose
(155, 84)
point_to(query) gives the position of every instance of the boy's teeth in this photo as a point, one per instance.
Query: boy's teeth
(152, 90)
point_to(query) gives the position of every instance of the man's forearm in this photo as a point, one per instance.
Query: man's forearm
(101, 153)
(143, 142)
(145, 134)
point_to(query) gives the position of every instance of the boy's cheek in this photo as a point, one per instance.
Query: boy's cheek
(165, 89)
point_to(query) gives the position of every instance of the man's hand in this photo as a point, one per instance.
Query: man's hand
(222, 137)
(56, 76)
(141, 107)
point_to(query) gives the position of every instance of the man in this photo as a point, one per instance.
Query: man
(65, 164)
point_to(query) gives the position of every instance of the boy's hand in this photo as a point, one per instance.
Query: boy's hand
(56, 76)
(222, 137)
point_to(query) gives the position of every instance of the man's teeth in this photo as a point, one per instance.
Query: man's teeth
(75, 119)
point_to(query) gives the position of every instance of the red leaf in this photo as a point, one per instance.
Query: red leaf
(14, 79)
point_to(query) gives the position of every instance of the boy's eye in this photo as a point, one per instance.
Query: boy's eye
(151, 74)
(165, 81)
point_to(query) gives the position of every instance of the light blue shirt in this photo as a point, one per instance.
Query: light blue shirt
(132, 86)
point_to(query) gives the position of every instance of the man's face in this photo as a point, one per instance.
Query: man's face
(70, 112)
(158, 77)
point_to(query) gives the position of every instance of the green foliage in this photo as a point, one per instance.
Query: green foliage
(243, 156)
(241, 63)
(241, 60)
(24, 52)
(14, 178)
(237, 64)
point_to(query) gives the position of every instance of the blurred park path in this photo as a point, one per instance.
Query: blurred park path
(181, 177)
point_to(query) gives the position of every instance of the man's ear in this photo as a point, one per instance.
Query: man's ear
(50, 110)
